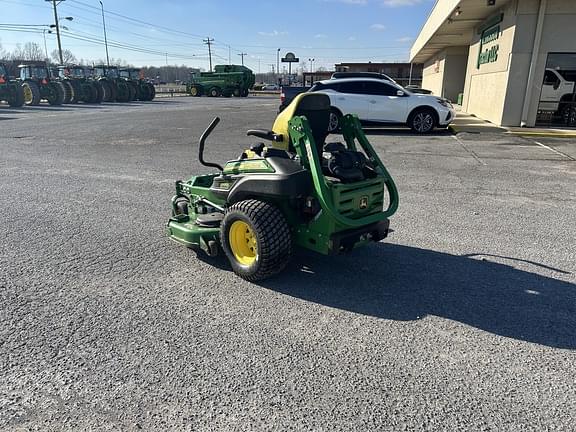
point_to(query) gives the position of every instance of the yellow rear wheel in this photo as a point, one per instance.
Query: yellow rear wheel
(256, 239)
(243, 242)
(31, 93)
(27, 95)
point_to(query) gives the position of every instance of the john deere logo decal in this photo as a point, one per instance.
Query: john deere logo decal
(363, 202)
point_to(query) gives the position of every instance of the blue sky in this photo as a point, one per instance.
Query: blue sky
(330, 31)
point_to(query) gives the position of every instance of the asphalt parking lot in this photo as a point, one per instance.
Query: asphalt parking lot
(464, 319)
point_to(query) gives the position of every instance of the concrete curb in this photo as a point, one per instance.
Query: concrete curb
(476, 129)
(544, 134)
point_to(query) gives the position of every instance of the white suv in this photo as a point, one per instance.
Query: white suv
(380, 101)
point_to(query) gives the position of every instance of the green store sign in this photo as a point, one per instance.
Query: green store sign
(489, 35)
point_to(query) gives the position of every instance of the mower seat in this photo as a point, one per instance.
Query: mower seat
(315, 107)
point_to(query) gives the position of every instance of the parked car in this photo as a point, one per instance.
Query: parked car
(382, 102)
(337, 75)
(270, 87)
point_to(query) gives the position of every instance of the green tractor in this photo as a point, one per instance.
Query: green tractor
(226, 80)
(144, 90)
(37, 84)
(10, 90)
(296, 191)
(67, 88)
(116, 89)
(83, 89)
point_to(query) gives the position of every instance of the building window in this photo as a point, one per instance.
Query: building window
(557, 104)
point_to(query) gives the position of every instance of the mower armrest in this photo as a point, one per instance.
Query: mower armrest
(265, 134)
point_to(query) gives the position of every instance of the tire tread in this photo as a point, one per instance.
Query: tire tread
(274, 238)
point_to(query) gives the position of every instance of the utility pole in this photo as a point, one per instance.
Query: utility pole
(57, 29)
(105, 38)
(208, 42)
(242, 55)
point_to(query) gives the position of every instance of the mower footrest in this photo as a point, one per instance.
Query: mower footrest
(345, 241)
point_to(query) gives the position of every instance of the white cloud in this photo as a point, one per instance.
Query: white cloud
(405, 39)
(400, 3)
(320, 36)
(378, 27)
(273, 33)
(352, 38)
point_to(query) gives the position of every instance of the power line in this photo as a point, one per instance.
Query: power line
(123, 30)
(130, 48)
(166, 29)
(25, 25)
(87, 37)
(22, 30)
(242, 55)
(83, 21)
(25, 4)
(90, 38)
(162, 28)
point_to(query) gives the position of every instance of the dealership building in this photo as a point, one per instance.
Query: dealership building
(511, 62)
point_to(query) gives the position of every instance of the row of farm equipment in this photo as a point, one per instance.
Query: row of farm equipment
(73, 84)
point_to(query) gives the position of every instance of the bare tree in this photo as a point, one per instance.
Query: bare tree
(67, 57)
(30, 51)
(3, 53)
(113, 62)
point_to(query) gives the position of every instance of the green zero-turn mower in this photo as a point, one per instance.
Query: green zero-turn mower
(295, 191)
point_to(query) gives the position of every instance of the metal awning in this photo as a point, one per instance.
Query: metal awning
(451, 23)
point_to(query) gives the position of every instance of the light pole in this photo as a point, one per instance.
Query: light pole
(311, 60)
(277, 63)
(105, 39)
(46, 46)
